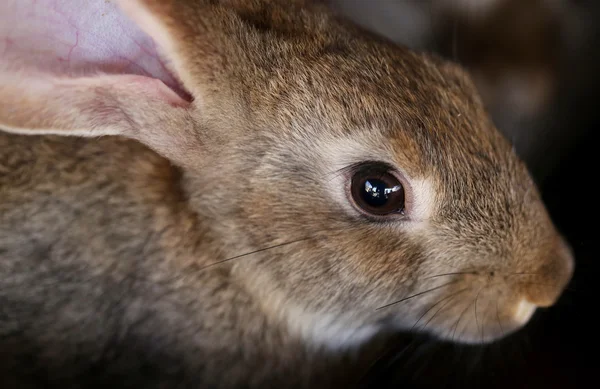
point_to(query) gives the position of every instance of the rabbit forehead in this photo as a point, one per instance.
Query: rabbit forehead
(424, 112)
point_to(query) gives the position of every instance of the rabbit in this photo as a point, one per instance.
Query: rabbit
(315, 190)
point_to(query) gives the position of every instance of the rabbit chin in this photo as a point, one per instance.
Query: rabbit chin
(475, 328)
(330, 331)
(341, 333)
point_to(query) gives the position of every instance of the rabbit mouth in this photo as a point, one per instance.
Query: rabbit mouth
(482, 315)
(524, 311)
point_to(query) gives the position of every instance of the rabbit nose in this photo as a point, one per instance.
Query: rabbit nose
(551, 278)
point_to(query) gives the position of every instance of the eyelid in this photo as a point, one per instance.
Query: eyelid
(374, 167)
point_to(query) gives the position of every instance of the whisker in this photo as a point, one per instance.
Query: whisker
(385, 355)
(461, 315)
(419, 280)
(415, 295)
(476, 322)
(433, 306)
(450, 274)
(483, 319)
(255, 252)
(458, 320)
(442, 307)
(426, 278)
(498, 317)
(314, 236)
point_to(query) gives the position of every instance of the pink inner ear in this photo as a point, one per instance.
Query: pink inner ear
(75, 38)
(156, 88)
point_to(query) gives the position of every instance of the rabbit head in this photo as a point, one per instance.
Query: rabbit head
(355, 185)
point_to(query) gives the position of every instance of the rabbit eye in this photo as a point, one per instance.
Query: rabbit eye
(376, 191)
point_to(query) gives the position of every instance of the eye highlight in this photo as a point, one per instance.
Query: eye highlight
(376, 191)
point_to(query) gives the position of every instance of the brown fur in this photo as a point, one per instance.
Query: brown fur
(110, 256)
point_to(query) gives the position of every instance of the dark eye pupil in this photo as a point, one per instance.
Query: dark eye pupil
(374, 193)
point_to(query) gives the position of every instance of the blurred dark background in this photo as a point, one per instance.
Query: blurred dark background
(537, 66)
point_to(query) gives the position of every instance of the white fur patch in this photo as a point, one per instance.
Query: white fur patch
(423, 201)
(524, 311)
(328, 331)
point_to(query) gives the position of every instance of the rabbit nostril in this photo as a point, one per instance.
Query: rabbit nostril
(551, 278)
(492, 273)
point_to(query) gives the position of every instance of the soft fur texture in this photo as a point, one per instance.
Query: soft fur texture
(119, 267)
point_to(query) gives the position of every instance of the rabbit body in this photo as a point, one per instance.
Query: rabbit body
(101, 281)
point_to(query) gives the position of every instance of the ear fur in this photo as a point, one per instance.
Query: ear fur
(137, 107)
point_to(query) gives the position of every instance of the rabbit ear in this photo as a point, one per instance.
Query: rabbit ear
(165, 22)
(138, 107)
